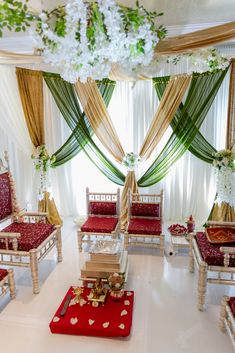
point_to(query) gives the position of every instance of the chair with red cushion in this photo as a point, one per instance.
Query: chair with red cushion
(227, 317)
(145, 221)
(29, 237)
(213, 252)
(7, 282)
(103, 211)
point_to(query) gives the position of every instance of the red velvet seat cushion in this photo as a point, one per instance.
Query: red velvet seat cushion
(102, 208)
(5, 196)
(145, 209)
(99, 224)
(232, 304)
(32, 234)
(210, 252)
(3, 273)
(144, 226)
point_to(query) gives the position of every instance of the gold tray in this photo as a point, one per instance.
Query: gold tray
(220, 235)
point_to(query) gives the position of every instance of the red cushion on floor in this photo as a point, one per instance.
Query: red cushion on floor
(232, 304)
(102, 208)
(144, 226)
(145, 209)
(5, 196)
(210, 252)
(32, 234)
(3, 273)
(99, 224)
(113, 319)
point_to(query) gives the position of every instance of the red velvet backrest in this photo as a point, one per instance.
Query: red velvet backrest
(5, 196)
(145, 209)
(102, 208)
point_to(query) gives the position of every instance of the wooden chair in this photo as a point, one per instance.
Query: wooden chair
(103, 211)
(227, 320)
(28, 238)
(7, 282)
(145, 221)
(216, 263)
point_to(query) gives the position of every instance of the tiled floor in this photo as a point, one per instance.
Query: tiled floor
(165, 320)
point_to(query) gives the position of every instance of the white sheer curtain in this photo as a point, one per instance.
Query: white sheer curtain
(14, 135)
(189, 187)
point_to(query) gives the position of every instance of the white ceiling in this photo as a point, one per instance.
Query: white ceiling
(180, 16)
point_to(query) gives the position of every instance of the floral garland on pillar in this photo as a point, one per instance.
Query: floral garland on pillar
(224, 163)
(43, 162)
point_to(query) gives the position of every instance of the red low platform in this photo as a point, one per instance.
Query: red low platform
(114, 319)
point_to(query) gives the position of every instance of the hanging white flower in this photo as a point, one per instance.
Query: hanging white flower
(83, 39)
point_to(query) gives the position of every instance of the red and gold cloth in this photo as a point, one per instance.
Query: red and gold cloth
(114, 319)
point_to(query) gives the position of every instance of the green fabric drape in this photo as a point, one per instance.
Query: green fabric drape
(200, 147)
(202, 91)
(81, 138)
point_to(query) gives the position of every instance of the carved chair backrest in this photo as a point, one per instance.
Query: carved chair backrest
(8, 202)
(220, 224)
(103, 204)
(145, 206)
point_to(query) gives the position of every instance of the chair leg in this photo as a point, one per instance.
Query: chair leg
(79, 237)
(59, 245)
(126, 240)
(223, 313)
(11, 282)
(202, 281)
(191, 258)
(34, 270)
(161, 239)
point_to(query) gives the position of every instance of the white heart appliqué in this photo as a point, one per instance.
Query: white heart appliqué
(91, 322)
(128, 294)
(124, 312)
(126, 302)
(73, 320)
(105, 324)
(56, 319)
(82, 302)
(121, 326)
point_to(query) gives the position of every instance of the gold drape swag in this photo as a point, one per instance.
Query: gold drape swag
(98, 116)
(95, 109)
(30, 85)
(30, 88)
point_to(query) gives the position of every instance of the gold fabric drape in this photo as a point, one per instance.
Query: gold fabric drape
(222, 213)
(101, 123)
(169, 103)
(95, 109)
(30, 85)
(30, 88)
(130, 184)
(231, 108)
(48, 205)
(196, 40)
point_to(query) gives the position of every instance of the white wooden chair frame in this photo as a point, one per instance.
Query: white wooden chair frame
(8, 284)
(32, 257)
(85, 237)
(218, 272)
(142, 239)
(227, 321)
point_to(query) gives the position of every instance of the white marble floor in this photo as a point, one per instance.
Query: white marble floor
(165, 319)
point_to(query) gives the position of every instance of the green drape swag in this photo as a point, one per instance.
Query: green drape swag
(186, 124)
(81, 138)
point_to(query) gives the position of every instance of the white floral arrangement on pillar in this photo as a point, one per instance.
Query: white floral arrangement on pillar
(42, 163)
(224, 163)
(131, 161)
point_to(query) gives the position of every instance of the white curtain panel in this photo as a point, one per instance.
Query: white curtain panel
(14, 136)
(188, 188)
